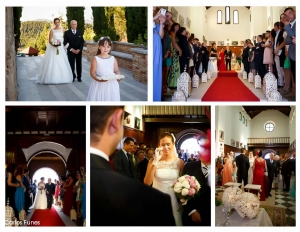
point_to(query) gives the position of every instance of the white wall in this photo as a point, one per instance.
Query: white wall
(204, 22)
(136, 111)
(222, 32)
(281, 125)
(292, 124)
(227, 120)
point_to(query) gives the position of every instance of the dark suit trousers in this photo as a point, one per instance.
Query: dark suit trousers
(204, 65)
(183, 62)
(286, 181)
(293, 69)
(27, 200)
(228, 63)
(244, 178)
(246, 66)
(78, 58)
(270, 183)
(49, 200)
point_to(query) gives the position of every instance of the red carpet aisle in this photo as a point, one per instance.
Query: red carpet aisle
(228, 87)
(46, 218)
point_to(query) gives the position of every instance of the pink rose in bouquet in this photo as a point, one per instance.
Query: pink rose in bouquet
(185, 188)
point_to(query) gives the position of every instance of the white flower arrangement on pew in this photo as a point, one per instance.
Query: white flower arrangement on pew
(247, 205)
(230, 196)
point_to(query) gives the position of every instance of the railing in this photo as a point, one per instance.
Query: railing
(275, 140)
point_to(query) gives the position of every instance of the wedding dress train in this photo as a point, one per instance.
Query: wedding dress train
(165, 175)
(40, 198)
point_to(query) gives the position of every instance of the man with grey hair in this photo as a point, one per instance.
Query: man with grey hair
(75, 41)
(272, 165)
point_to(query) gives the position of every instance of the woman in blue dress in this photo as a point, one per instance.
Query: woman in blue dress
(19, 195)
(158, 34)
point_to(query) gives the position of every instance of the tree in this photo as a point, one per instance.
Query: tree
(43, 39)
(88, 32)
(76, 13)
(136, 22)
(104, 23)
(17, 11)
(31, 30)
(120, 23)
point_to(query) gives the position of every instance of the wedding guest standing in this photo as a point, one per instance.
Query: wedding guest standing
(175, 68)
(158, 34)
(242, 163)
(19, 195)
(184, 46)
(68, 195)
(11, 186)
(250, 172)
(272, 167)
(227, 170)
(259, 166)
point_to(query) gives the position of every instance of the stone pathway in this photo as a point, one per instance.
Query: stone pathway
(28, 90)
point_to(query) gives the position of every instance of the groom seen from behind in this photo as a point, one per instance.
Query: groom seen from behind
(50, 189)
(74, 38)
(117, 200)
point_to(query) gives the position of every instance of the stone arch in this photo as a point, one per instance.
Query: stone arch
(187, 134)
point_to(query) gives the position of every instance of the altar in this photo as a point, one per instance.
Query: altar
(235, 219)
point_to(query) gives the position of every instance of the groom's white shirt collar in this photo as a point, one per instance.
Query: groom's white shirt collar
(96, 151)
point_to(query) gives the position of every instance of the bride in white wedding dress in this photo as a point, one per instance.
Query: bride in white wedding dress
(164, 169)
(55, 68)
(40, 198)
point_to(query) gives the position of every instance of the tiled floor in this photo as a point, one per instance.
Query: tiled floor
(282, 199)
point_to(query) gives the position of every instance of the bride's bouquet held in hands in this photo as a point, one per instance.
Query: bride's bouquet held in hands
(56, 43)
(185, 188)
(41, 189)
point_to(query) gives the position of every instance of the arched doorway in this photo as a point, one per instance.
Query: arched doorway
(46, 173)
(266, 153)
(190, 140)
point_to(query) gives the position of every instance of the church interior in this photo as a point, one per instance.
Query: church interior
(269, 129)
(225, 26)
(49, 142)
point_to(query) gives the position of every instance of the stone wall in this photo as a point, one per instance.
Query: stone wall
(129, 56)
(140, 65)
(11, 91)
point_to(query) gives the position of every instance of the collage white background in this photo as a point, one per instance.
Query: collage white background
(149, 4)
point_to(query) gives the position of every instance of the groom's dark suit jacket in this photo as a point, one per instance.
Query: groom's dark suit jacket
(242, 163)
(117, 200)
(202, 201)
(75, 41)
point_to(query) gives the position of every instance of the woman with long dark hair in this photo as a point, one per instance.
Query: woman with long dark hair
(10, 188)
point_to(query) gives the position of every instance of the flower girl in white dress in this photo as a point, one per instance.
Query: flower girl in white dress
(104, 86)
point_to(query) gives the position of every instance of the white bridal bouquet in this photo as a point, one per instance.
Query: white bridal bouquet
(56, 43)
(185, 188)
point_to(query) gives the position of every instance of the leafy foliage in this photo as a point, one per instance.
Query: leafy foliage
(136, 22)
(30, 30)
(105, 21)
(88, 32)
(42, 41)
(76, 13)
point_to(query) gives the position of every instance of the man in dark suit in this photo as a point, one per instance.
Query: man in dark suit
(197, 211)
(74, 38)
(245, 57)
(272, 166)
(50, 190)
(123, 159)
(259, 57)
(205, 56)
(184, 46)
(279, 53)
(117, 200)
(242, 163)
(28, 190)
(286, 172)
(228, 55)
(290, 27)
